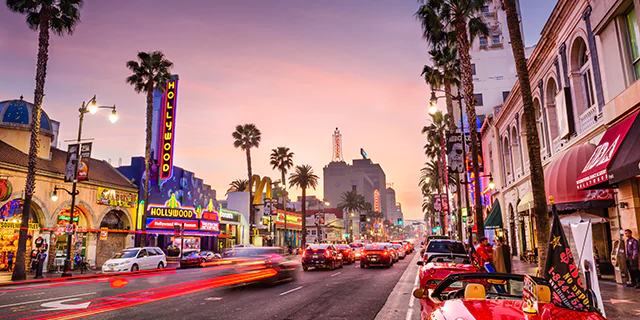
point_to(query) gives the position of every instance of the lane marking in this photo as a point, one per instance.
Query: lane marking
(335, 274)
(409, 314)
(43, 300)
(59, 305)
(415, 283)
(292, 290)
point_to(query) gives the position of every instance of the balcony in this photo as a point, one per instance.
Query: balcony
(589, 118)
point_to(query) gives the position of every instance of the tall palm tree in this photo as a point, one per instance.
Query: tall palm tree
(533, 142)
(282, 160)
(246, 137)
(444, 73)
(45, 16)
(351, 202)
(304, 178)
(461, 17)
(238, 185)
(150, 72)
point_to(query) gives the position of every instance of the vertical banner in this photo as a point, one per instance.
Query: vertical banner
(82, 174)
(167, 131)
(454, 153)
(104, 233)
(376, 200)
(85, 158)
(583, 239)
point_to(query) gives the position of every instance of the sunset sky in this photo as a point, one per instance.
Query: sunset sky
(297, 69)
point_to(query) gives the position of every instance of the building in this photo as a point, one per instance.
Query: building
(106, 203)
(394, 208)
(339, 178)
(584, 76)
(378, 179)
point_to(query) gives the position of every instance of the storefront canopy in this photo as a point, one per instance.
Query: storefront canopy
(578, 217)
(494, 218)
(560, 178)
(618, 143)
(526, 202)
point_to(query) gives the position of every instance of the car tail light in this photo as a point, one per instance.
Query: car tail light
(432, 270)
(385, 253)
(327, 253)
(362, 252)
(304, 253)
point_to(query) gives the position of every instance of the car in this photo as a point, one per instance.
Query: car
(192, 258)
(405, 246)
(443, 246)
(400, 249)
(440, 265)
(394, 253)
(357, 248)
(321, 256)
(209, 255)
(491, 296)
(134, 259)
(429, 238)
(376, 254)
(348, 254)
(243, 246)
(248, 259)
(409, 246)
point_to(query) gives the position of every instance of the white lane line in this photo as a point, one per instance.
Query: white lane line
(409, 314)
(292, 290)
(43, 300)
(415, 283)
(335, 274)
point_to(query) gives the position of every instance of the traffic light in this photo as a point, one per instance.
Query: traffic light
(400, 221)
(464, 219)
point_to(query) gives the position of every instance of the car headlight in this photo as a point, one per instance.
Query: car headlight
(124, 262)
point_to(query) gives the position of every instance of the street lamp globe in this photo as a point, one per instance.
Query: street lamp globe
(54, 196)
(492, 184)
(113, 117)
(93, 106)
(433, 103)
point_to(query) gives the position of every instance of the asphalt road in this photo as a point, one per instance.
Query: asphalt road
(209, 293)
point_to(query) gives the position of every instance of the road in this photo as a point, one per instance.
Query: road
(212, 293)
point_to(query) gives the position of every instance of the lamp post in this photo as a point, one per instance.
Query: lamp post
(87, 107)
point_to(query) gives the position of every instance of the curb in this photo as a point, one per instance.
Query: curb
(83, 277)
(397, 306)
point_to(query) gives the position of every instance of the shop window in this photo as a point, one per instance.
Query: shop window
(633, 32)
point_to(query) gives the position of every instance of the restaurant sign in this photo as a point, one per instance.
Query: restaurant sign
(154, 223)
(112, 197)
(294, 220)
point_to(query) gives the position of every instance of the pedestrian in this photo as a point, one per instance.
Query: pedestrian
(34, 260)
(498, 259)
(631, 255)
(485, 250)
(10, 261)
(506, 254)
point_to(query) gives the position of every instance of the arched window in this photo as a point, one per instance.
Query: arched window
(582, 74)
(515, 149)
(540, 124)
(524, 147)
(506, 158)
(114, 220)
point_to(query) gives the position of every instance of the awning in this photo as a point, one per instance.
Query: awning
(526, 202)
(494, 218)
(578, 217)
(626, 163)
(560, 178)
(595, 172)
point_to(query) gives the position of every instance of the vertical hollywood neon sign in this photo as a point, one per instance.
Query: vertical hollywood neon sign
(167, 131)
(376, 200)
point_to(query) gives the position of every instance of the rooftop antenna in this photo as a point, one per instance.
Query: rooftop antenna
(337, 146)
(119, 162)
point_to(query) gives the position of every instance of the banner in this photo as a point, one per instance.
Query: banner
(561, 271)
(104, 233)
(82, 174)
(582, 236)
(454, 153)
(440, 203)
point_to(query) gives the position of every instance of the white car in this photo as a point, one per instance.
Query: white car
(134, 259)
(243, 246)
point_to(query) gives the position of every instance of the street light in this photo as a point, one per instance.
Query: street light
(433, 103)
(492, 184)
(90, 107)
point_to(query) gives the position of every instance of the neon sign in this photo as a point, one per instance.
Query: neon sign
(376, 200)
(167, 131)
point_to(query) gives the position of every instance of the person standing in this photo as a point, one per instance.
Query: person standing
(498, 259)
(631, 254)
(506, 254)
(10, 261)
(485, 251)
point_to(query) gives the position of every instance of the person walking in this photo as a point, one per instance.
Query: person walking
(631, 254)
(10, 261)
(506, 254)
(498, 258)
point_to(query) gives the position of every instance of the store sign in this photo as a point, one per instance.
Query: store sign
(376, 200)
(168, 224)
(210, 226)
(112, 197)
(180, 213)
(293, 219)
(16, 225)
(229, 216)
(104, 232)
(5, 189)
(167, 130)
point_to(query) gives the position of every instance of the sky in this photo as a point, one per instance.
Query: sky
(297, 69)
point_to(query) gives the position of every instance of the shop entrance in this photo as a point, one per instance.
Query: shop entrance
(10, 221)
(78, 241)
(117, 225)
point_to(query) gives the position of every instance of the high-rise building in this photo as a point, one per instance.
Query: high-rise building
(379, 180)
(339, 177)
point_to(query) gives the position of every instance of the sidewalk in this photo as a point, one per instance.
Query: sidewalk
(521, 267)
(6, 276)
(401, 304)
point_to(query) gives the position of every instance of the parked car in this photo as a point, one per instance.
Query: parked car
(134, 259)
(321, 256)
(429, 238)
(192, 258)
(409, 246)
(243, 246)
(443, 246)
(210, 256)
(400, 250)
(440, 265)
(376, 254)
(348, 254)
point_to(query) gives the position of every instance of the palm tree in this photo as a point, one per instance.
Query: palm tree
(533, 142)
(461, 17)
(444, 73)
(246, 137)
(304, 178)
(45, 16)
(351, 202)
(282, 159)
(150, 73)
(238, 185)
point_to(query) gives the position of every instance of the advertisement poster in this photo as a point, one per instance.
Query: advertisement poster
(440, 203)
(454, 153)
(112, 197)
(583, 238)
(82, 174)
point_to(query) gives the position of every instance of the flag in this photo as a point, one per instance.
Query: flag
(561, 271)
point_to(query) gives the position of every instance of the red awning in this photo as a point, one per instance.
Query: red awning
(560, 181)
(595, 170)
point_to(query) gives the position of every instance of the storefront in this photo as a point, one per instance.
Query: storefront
(10, 220)
(293, 228)
(231, 229)
(174, 227)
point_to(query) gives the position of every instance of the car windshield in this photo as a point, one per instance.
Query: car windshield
(318, 246)
(189, 253)
(449, 258)
(124, 254)
(446, 247)
(374, 247)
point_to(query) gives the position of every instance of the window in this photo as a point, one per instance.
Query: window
(478, 97)
(496, 39)
(484, 41)
(485, 9)
(473, 69)
(585, 74)
(632, 27)
(505, 94)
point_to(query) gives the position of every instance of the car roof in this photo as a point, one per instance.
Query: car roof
(445, 240)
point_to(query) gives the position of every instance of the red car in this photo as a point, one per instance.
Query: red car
(357, 248)
(348, 254)
(490, 296)
(377, 254)
(321, 256)
(439, 266)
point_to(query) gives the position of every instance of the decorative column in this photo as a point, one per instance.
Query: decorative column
(563, 56)
(545, 122)
(595, 64)
(555, 63)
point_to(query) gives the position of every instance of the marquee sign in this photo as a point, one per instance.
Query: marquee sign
(153, 223)
(167, 130)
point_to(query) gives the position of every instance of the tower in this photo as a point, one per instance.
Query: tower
(337, 146)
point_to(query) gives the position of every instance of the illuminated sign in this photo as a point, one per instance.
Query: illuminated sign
(167, 130)
(180, 213)
(209, 226)
(376, 200)
(294, 220)
(228, 215)
(16, 225)
(168, 224)
(112, 197)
